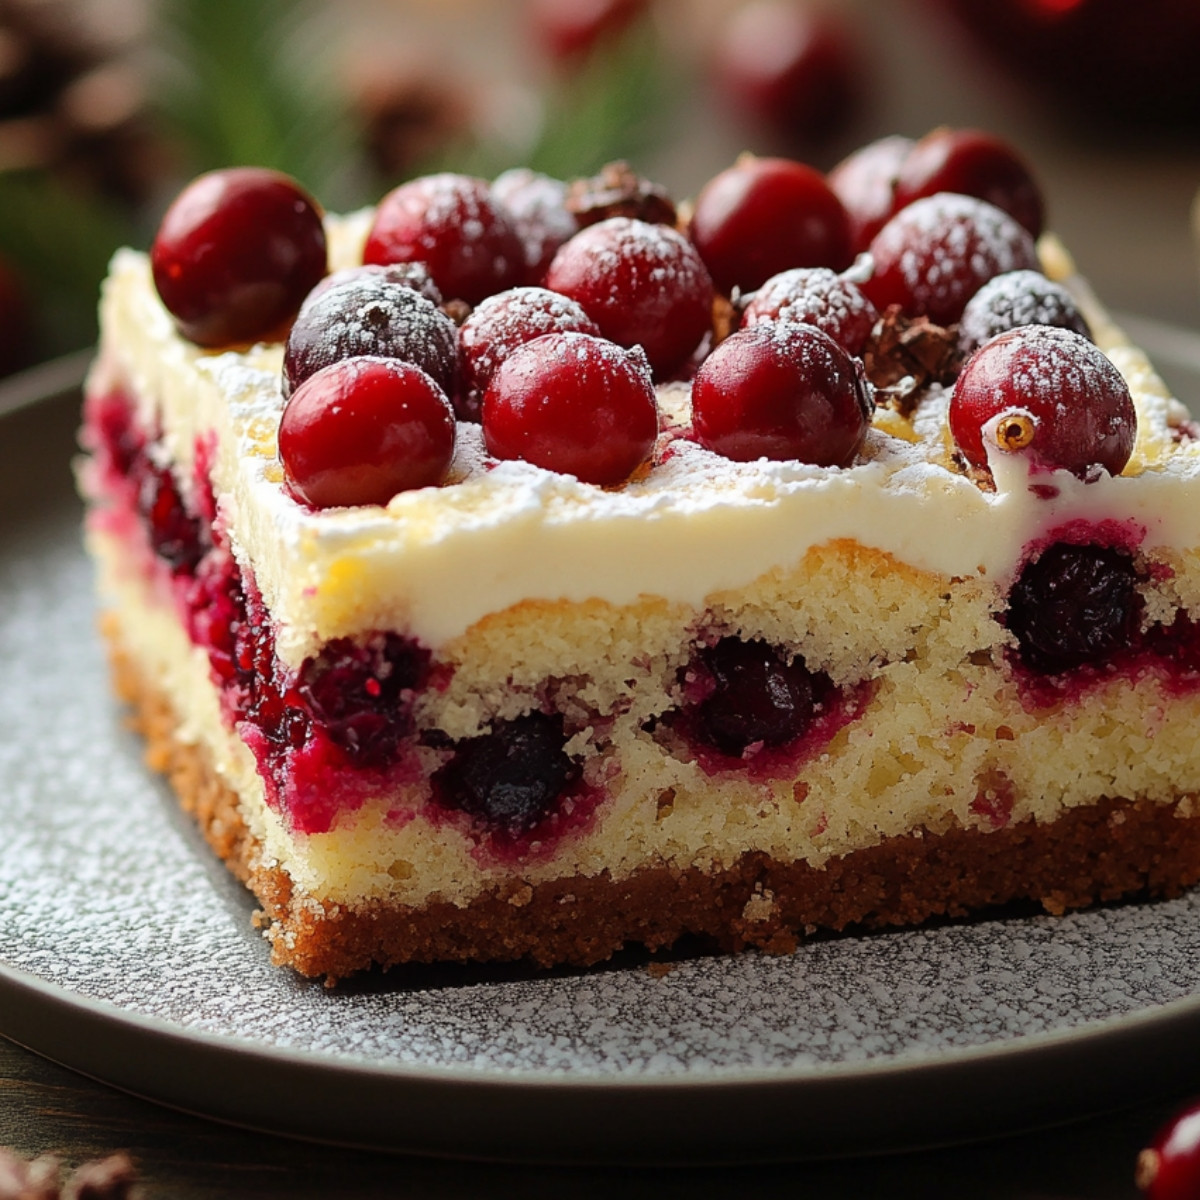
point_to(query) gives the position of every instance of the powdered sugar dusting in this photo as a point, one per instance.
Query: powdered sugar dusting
(815, 296)
(1014, 299)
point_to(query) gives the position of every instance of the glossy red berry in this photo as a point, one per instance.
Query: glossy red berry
(365, 313)
(508, 320)
(865, 183)
(764, 215)
(816, 296)
(1048, 394)
(781, 390)
(236, 253)
(972, 163)
(1169, 1168)
(934, 255)
(573, 403)
(644, 285)
(790, 67)
(537, 204)
(363, 430)
(452, 224)
(1015, 299)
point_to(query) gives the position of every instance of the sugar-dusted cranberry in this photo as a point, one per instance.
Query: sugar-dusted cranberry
(236, 253)
(781, 390)
(865, 183)
(791, 67)
(360, 693)
(177, 535)
(364, 429)
(934, 255)
(573, 403)
(412, 275)
(569, 30)
(508, 320)
(369, 314)
(972, 163)
(1049, 394)
(815, 296)
(1169, 1168)
(1073, 605)
(536, 203)
(1015, 299)
(757, 697)
(764, 215)
(511, 777)
(643, 284)
(453, 225)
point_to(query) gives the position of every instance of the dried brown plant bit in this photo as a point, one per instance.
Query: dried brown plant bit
(619, 191)
(905, 354)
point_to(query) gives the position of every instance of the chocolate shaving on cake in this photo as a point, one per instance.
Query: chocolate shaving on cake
(619, 191)
(907, 353)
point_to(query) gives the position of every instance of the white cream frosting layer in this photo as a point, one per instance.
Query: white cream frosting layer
(437, 560)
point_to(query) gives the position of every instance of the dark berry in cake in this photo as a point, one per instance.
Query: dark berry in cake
(512, 777)
(1074, 605)
(177, 535)
(363, 430)
(972, 163)
(366, 313)
(758, 697)
(781, 390)
(815, 296)
(764, 215)
(1015, 299)
(1169, 1168)
(235, 255)
(865, 183)
(934, 255)
(412, 275)
(573, 403)
(453, 225)
(792, 68)
(1049, 394)
(360, 693)
(643, 284)
(536, 203)
(508, 320)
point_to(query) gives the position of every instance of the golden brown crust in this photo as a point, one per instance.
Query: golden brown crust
(1102, 852)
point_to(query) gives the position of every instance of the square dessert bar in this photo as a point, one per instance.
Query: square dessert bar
(511, 572)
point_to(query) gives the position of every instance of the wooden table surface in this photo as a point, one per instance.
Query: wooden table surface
(1124, 211)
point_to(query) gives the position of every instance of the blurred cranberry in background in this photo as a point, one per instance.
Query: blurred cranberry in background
(792, 68)
(16, 324)
(569, 30)
(1127, 63)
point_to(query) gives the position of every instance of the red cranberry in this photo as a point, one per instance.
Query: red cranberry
(1169, 1168)
(781, 390)
(412, 275)
(364, 429)
(865, 183)
(452, 225)
(508, 320)
(816, 296)
(236, 254)
(791, 67)
(764, 215)
(573, 403)
(512, 777)
(572, 29)
(972, 163)
(934, 255)
(1015, 299)
(537, 205)
(1074, 605)
(177, 535)
(758, 697)
(368, 314)
(1048, 393)
(643, 284)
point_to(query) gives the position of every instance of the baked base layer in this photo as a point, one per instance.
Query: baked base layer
(1114, 849)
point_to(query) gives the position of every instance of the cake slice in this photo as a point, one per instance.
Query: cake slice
(475, 619)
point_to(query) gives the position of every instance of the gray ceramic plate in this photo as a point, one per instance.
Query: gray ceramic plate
(127, 954)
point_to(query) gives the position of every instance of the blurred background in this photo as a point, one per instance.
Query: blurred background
(108, 106)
